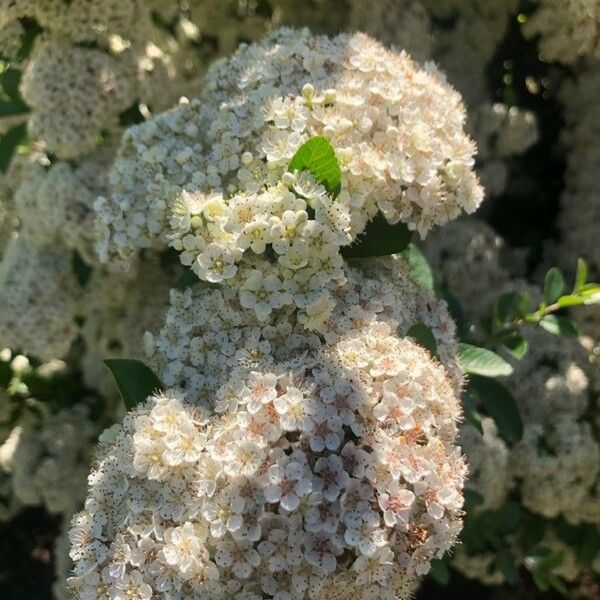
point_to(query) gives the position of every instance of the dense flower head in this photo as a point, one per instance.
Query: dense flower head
(489, 463)
(76, 93)
(210, 176)
(119, 308)
(206, 334)
(50, 458)
(343, 467)
(401, 24)
(39, 299)
(558, 467)
(55, 204)
(567, 29)
(469, 259)
(580, 208)
(501, 132)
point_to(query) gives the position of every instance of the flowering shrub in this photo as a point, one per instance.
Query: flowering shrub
(245, 250)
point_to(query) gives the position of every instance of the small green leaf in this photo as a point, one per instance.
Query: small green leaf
(554, 285)
(82, 270)
(10, 80)
(590, 293)
(500, 404)
(512, 305)
(420, 271)
(379, 239)
(544, 559)
(559, 325)
(134, 379)
(581, 275)
(9, 143)
(570, 300)
(318, 156)
(423, 336)
(440, 571)
(514, 342)
(481, 361)
(188, 277)
(472, 499)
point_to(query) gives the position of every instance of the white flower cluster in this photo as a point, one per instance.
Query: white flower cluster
(206, 335)
(50, 458)
(554, 470)
(119, 309)
(210, 177)
(38, 295)
(489, 463)
(477, 27)
(55, 204)
(501, 132)
(557, 462)
(470, 260)
(75, 93)
(401, 24)
(580, 209)
(567, 29)
(336, 472)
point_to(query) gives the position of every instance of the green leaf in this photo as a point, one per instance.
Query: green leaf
(188, 277)
(318, 156)
(581, 275)
(9, 143)
(472, 499)
(512, 305)
(500, 405)
(440, 571)
(379, 239)
(570, 300)
(554, 285)
(10, 79)
(588, 547)
(469, 403)
(514, 342)
(423, 336)
(481, 361)
(559, 325)
(531, 531)
(82, 270)
(506, 564)
(590, 293)
(134, 379)
(419, 268)
(544, 559)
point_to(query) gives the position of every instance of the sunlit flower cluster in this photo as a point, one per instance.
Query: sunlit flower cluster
(206, 334)
(341, 470)
(210, 177)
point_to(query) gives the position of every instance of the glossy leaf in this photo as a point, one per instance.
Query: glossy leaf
(318, 156)
(423, 336)
(481, 361)
(514, 342)
(500, 404)
(379, 239)
(420, 271)
(134, 379)
(559, 325)
(554, 285)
